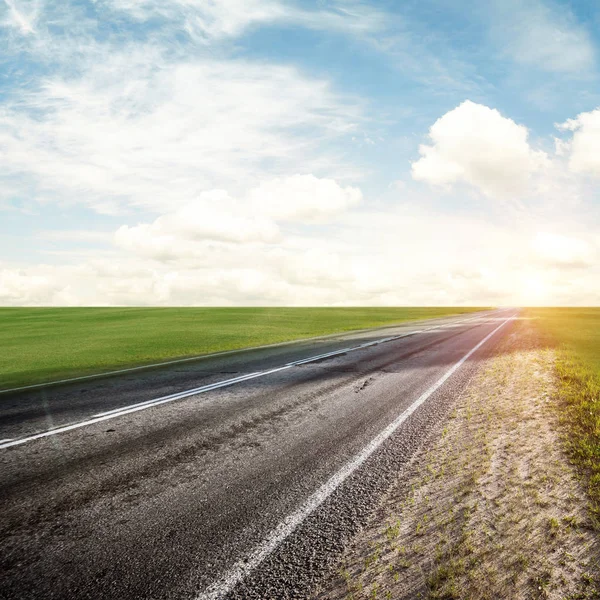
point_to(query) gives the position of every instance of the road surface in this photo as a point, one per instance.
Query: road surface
(236, 476)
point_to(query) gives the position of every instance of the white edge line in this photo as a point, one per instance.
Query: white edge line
(118, 412)
(225, 352)
(242, 569)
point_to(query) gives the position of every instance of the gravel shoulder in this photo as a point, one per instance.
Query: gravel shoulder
(493, 508)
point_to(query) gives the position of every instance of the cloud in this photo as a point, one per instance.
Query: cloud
(584, 147)
(23, 21)
(82, 236)
(213, 216)
(136, 131)
(542, 34)
(152, 121)
(475, 144)
(562, 251)
(23, 287)
(213, 20)
(401, 255)
(460, 261)
(207, 18)
(217, 217)
(303, 198)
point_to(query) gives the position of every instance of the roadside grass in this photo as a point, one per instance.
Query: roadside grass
(45, 344)
(576, 332)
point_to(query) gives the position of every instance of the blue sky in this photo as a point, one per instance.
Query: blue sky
(275, 152)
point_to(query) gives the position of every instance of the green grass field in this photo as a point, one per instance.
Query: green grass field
(46, 344)
(576, 331)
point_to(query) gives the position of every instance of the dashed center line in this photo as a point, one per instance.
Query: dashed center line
(139, 406)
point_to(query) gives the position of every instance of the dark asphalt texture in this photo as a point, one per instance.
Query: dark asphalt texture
(160, 503)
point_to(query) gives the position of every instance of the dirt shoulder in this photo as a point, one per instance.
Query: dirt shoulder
(493, 509)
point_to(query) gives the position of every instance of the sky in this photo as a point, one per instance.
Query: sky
(281, 152)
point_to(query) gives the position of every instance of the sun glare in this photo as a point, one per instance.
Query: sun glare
(535, 290)
(560, 249)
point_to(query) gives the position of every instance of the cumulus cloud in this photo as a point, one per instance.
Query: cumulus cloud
(137, 126)
(303, 198)
(213, 216)
(584, 147)
(475, 144)
(413, 257)
(23, 287)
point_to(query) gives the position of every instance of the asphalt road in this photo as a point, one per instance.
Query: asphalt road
(249, 490)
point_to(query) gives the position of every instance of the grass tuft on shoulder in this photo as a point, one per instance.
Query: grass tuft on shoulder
(580, 392)
(576, 332)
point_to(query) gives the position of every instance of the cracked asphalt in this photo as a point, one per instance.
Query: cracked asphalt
(163, 502)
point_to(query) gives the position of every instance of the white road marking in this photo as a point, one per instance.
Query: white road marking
(243, 568)
(118, 412)
(205, 356)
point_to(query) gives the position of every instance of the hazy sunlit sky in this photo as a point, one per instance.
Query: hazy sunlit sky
(266, 152)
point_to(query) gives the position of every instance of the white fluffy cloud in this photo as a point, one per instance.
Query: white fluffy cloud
(414, 257)
(25, 287)
(217, 217)
(213, 216)
(140, 126)
(584, 147)
(475, 144)
(304, 198)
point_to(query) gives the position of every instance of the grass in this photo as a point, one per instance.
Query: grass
(46, 344)
(577, 333)
(577, 330)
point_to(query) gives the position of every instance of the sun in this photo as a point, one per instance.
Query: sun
(534, 290)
